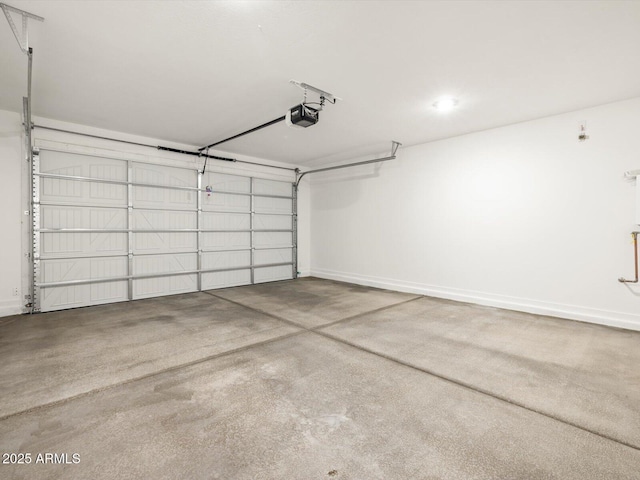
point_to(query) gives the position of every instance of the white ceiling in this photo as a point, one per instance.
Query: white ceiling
(199, 71)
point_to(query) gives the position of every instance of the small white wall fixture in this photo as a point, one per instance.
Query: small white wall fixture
(636, 174)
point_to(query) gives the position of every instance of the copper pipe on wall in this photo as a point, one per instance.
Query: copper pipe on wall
(635, 254)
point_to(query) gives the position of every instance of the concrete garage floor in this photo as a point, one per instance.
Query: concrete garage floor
(314, 379)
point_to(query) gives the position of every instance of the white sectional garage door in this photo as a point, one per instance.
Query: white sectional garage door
(109, 230)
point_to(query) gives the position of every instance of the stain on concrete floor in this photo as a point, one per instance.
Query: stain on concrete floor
(293, 403)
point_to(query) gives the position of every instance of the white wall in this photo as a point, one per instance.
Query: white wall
(524, 217)
(15, 191)
(11, 159)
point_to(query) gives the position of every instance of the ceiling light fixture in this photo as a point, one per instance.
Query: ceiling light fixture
(445, 104)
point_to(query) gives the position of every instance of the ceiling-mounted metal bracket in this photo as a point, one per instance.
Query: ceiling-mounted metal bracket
(21, 37)
(394, 148)
(330, 97)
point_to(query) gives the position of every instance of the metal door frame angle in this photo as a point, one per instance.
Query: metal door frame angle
(199, 227)
(252, 238)
(294, 226)
(129, 229)
(34, 305)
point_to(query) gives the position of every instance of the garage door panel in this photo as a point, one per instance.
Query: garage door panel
(59, 298)
(276, 222)
(74, 191)
(227, 183)
(106, 169)
(272, 274)
(65, 163)
(69, 270)
(82, 217)
(160, 286)
(262, 186)
(226, 240)
(231, 278)
(65, 270)
(163, 175)
(164, 203)
(272, 239)
(163, 198)
(55, 190)
(108, 292)
(226, 202)
(219, 260)
(106, 218)
(153, 264)
(55, 298)
(63, 217)
(282, 255)
(226, 221)
(106, 193)
(161, 219)
(272, 205)
(66, 244)
(161, 264)
(164, 242)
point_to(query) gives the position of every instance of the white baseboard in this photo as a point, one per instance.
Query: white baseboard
(584, 314)
(10, 307)
(304, 273)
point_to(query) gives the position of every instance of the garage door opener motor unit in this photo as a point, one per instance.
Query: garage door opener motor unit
(302, 116)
